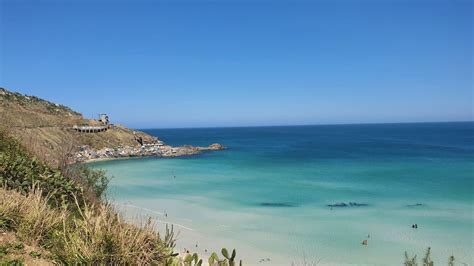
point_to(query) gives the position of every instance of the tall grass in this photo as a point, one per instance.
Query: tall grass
(30, 216)
(97, 235)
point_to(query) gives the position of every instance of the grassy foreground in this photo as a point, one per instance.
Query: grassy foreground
(96, 235)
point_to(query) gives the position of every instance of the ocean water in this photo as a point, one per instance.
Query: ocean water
(267, 194)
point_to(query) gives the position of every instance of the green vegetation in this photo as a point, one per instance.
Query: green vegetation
(12, 262)
(11, 253)
(213, 260)
(426, 261)
(20, 171)
(95, 181)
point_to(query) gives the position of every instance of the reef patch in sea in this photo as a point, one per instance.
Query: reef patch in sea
(276, 204)
(414, 205)
(349, 204)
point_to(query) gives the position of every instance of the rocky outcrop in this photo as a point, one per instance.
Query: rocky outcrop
(215, 147)
(158, 149)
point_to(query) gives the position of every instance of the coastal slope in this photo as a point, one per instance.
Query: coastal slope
(47, 130)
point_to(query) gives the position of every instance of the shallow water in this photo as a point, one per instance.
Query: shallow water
(267, 195)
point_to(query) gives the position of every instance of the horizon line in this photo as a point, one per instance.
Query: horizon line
(324, 124)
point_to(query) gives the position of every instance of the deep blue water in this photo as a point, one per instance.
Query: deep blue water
(366, 141)
(436, 146)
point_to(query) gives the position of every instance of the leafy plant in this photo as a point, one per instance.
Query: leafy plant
(410, 261)
(21, 171)
(427, 259)
(12, 262)
(192, 260)
(94, 180)
(35, 254)
(229, 260)
(451, 261)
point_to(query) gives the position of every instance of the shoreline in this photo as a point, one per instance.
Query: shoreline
(159, 150)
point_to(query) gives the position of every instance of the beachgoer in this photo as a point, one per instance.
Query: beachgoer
(365, 242)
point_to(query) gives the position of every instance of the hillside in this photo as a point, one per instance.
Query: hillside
(45, 128)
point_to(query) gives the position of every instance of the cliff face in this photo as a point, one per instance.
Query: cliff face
(45, 128)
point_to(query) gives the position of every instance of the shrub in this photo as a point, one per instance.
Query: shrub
(21, 171)
(95, 181)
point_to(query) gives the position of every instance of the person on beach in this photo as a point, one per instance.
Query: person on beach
(365, 242)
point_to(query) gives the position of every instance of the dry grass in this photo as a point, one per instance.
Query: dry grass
(99, 235)
(95, 235)
(30, 216)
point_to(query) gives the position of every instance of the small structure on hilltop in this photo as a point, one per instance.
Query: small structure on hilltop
(104, 119)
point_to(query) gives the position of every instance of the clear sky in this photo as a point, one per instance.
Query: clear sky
(243, 63)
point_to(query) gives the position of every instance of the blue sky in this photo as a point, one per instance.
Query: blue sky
(243, 63)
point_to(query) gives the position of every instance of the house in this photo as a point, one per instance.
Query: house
(104, 119)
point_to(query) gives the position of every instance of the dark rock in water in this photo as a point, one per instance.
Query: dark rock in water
(276, 204)
(414, 205)
(339, 204)
(350, 204)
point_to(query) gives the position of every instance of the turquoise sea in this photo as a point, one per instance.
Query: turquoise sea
(267, 194)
